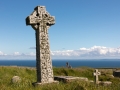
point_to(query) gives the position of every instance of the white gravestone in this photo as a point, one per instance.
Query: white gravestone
(41, 20)
(96, 74)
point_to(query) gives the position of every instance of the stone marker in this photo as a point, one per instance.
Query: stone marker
(68, 65)
(69, 78)
(116, 73)
(105, 83)
(16, 79)
(41, 20)
(96, 73)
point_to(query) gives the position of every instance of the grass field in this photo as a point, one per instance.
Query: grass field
(28, 76)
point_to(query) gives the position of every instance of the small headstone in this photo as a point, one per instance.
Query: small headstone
(116, 73)
(16, 79)
(96, 74)
(68, 65)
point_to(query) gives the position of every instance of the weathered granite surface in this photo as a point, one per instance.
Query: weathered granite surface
(41, 20)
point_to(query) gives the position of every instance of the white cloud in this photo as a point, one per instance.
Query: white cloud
(23, 54)
(83, 49)
(32, 54)
(95, 52)
(16, 53)
(1, 53)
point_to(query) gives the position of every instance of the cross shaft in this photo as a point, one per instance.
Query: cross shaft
(41, 20)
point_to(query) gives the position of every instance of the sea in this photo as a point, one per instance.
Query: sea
(93, 63)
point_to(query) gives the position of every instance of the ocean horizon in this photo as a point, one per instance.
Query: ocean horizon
(93, 63)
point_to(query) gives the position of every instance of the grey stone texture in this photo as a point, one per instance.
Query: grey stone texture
(41, 20)
(96, 74)
(105, 83)
(16, 79)
(69, 78)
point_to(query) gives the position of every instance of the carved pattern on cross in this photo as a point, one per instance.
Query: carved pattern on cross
(40, 20)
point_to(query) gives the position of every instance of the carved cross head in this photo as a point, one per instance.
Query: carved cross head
(40, 17)
(96, 73)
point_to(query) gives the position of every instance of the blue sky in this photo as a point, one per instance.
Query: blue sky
(80, 24)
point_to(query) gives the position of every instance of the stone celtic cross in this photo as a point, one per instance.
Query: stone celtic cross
(41, 20)
(96, 73)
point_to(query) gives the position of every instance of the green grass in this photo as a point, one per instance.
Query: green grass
(80, 72)
(28, 76)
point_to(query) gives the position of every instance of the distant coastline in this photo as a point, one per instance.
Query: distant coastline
(98, 63)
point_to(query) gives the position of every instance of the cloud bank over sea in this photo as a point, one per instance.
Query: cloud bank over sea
(95, 52)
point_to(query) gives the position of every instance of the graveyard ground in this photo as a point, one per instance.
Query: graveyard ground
(28, 75)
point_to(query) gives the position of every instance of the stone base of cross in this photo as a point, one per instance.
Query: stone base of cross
(38, 83)
(96, 74)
